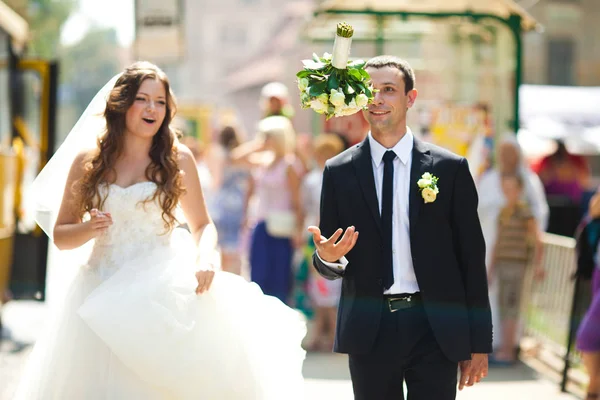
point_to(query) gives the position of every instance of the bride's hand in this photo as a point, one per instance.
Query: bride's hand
(99, 221)
(204, 279)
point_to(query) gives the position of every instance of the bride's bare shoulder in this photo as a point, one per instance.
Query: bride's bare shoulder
(185, 157)
(81, 160)
(183, 150)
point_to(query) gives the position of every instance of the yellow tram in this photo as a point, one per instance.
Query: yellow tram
(28, 91)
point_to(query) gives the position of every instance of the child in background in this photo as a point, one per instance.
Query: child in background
(518, 245)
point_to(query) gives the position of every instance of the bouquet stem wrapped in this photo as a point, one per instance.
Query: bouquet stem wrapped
(332, 85)
(341, 46)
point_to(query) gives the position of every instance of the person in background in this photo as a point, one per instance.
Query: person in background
(231, 186)
(517, 245)
(274, 98)
(564, 174)
(588, 335)
(324, 294)
(275, 188)
(491, 200)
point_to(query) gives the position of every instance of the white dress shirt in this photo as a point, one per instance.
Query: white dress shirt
(405, 280)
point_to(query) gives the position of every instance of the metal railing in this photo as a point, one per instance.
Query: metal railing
(548, 303)
(554, 307)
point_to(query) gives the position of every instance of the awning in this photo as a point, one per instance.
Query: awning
(567, 113)
(500, 8)
(569, 105)
(15, 26)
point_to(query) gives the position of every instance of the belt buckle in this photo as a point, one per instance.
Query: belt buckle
(408, 299)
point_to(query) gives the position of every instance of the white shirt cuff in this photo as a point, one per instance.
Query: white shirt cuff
(338, 266)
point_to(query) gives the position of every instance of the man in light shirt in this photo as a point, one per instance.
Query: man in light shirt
(414, 303)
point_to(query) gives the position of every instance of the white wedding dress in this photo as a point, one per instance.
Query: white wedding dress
(132, 327)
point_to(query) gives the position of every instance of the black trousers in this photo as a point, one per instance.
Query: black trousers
(405, 350)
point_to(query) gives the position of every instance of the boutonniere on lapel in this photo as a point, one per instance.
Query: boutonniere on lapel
(428, 187)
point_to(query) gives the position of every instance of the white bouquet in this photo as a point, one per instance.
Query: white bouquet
(332, 85)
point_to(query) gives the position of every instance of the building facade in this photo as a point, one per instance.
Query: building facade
(219, 36)
(566, 52)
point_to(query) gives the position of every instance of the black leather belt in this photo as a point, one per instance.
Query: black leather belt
(403, 301)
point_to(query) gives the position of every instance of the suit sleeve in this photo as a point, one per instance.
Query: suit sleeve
(328, 224)
(470, 249)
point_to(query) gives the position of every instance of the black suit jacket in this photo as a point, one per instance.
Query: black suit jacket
(447, 246)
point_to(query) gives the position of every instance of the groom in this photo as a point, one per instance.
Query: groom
(414, 303)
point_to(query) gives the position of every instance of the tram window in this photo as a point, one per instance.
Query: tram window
(30, 130)
(5, 133)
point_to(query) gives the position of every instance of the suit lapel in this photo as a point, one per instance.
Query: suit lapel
(421, 163)
(361, 159)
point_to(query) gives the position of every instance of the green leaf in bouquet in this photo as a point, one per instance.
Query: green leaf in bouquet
(341, 76)
(318, 89)
(333, 81)
(349, 98)
(354, 73)
(303, 74)
(364, 74)
(360, 87)
(357, 64)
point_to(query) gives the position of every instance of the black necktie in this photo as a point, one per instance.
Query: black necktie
(387, 202)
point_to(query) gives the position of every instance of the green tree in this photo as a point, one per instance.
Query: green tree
(85, 67)
(45, 18)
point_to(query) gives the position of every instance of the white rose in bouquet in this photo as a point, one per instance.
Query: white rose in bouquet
(362, 100)
(337, 98)
(319, 104)
(345, 110)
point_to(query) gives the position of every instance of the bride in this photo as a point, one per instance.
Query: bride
(146, 316)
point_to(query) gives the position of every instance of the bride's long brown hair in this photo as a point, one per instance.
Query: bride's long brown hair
(163, 169)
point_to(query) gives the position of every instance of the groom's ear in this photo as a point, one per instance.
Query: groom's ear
(412, 97)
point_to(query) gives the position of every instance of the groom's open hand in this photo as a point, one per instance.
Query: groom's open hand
(473, 371)
(328, 249)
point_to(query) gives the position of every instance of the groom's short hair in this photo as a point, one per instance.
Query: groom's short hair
(398, 63)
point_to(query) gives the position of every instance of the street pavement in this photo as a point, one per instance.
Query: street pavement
(326, 374)
(327, 378)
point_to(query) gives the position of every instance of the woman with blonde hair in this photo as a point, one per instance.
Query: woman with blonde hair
(275, 189)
